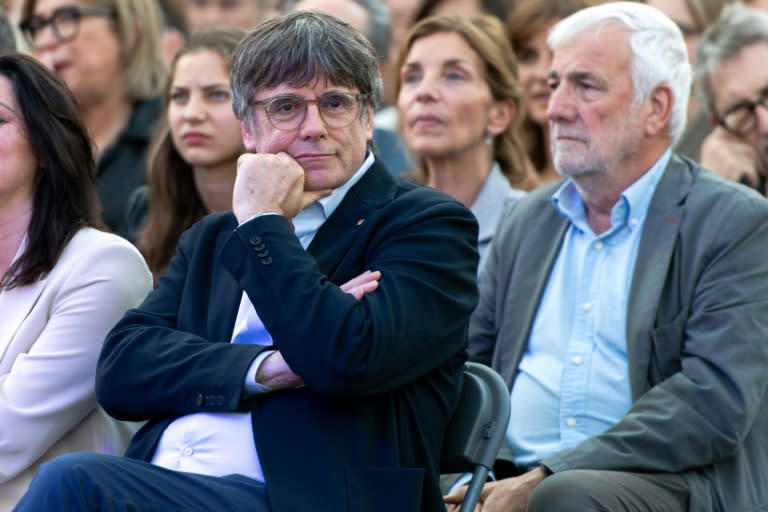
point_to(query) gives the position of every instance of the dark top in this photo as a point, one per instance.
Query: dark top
(122, 166)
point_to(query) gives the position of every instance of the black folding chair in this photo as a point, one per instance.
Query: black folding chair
(477, 429)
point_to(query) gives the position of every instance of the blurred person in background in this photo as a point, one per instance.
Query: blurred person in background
(460, 107)
(63, 281)
(692, 17)
(527, 28)
(244, 14)
(193, 162)
(108, 54)
(175, 31)
(732, 80)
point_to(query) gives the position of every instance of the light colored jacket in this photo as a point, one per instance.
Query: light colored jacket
(51, 334)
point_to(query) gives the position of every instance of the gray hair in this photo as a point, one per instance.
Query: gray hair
(737, 27)
(297, 49)
(658, 50)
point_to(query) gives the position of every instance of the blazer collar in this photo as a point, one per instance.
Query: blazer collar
(651, 266)
(376, 188)
(16, 305)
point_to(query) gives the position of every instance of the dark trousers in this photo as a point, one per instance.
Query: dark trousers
(94, 482)
(583, 490)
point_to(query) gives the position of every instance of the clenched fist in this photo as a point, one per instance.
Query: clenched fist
(266, 182)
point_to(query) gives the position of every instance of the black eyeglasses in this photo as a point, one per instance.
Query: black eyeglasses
(65, 22)
(741, 119)
(288, 111)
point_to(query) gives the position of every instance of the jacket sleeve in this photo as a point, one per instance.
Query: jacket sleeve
(415, 321)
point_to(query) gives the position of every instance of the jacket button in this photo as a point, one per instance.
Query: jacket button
(263, 254)
(259, 247)
(254, 240)
(267, 261)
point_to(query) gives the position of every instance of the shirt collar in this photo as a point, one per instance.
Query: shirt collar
(632, 206)
(308, 221)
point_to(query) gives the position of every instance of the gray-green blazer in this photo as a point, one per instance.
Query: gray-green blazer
(697, 334)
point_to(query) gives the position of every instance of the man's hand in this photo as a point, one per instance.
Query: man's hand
(275, 373)
(363, 284)
(268, 183)
(729, 157)
(508, 495)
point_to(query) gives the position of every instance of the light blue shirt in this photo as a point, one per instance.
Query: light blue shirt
(573, 379)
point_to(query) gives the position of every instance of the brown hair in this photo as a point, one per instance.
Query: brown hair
(174, 202)
(485, 34)
(65, 198)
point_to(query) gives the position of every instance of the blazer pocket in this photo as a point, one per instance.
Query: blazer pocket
(383, 489)
(668, 347)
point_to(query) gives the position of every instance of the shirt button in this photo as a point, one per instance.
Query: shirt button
(587, 306)
(598, 245)
(571, 422)
(188, 451)
(577, 360)
(633, 221)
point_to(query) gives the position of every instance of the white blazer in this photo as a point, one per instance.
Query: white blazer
(51, 333)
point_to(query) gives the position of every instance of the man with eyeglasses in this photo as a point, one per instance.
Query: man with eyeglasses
(731, 77)
(299, 353)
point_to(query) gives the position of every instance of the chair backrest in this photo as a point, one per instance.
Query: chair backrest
(479, 423)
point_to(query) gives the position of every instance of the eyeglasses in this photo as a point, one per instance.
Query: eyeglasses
(741, 119)
(288, 111)
(65, 22)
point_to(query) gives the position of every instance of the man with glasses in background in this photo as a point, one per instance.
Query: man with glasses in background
(299, 353)
(731, 77)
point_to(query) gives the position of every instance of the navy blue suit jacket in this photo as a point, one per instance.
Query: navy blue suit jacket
(382, 374)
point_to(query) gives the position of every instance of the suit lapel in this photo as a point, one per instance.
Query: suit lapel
(337, 233)
(16, 305)
(533, 264)
(657, 244)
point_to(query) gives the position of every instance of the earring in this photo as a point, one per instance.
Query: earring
(488, 140)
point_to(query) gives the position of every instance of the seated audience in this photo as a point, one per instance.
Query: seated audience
(64, 282)
(460, 107)
(627, 306)
(269, 378)
(527, 27)
(193, 163)
(732, 80)
(108, 54)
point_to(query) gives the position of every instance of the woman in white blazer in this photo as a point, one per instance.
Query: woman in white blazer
(63, 281)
